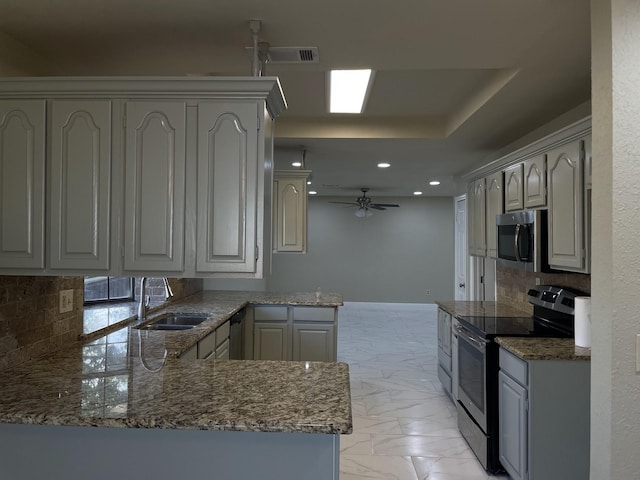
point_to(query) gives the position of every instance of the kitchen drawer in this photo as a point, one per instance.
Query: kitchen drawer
(515, 367)
(445, 379)
(207, 345)
(191, 354)
(222, 332)
(444, 360)
(313, 314)
(270, 313)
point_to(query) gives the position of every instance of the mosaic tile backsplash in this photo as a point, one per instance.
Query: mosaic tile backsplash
(512, 285)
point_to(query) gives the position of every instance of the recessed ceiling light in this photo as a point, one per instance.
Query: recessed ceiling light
(348, 90)
(384, 165)
(417, 193)
(434, 183)
(308, 182)
(312, 192)
(296, 164)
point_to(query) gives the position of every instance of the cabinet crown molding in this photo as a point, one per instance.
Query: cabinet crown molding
(232, 88)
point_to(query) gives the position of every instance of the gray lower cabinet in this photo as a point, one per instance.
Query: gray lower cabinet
(544, 413)
(271, 341)
(300, 333)
(445, 363)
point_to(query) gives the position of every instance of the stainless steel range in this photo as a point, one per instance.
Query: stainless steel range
(478, 362)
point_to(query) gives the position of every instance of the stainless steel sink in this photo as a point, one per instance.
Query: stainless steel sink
(175, 321)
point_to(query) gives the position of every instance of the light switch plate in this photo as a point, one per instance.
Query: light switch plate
(66, 301)
(638, 353)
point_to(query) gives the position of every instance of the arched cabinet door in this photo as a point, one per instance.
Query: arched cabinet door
(535, 182)
(565, 217)
(80, 184)
(22, 177)
(154, 186)
(226, 239)
(290, 211)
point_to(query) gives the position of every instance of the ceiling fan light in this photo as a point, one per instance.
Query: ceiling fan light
(361, 213)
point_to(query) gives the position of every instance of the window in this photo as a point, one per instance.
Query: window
(108, 289)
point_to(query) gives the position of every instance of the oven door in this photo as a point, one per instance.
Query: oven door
(472, 375)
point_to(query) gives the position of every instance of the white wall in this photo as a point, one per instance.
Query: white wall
(615, 280)
(393, 256)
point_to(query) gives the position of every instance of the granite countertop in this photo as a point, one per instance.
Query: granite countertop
(133, 378)
(220, 305)
(477, 308)
(537, 348)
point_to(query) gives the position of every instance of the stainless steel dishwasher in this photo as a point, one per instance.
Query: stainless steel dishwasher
(235, 335)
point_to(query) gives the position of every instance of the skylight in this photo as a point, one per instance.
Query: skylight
(348, 90)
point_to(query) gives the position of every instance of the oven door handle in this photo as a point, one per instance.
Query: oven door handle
(478, 343)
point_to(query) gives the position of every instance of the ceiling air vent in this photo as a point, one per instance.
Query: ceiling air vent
(291, 54)
(294, 55)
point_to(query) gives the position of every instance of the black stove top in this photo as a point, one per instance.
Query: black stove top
(553, 309)
(531, 326)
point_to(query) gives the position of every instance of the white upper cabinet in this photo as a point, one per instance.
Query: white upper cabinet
(535, 182)
(137, 175)
(495, 196)
(155, 154)
(290, 211)
(79, 184)
(588, 165)
(479, 218)
(227, 187)
(22, 177)
(513, 192)
(566, 216)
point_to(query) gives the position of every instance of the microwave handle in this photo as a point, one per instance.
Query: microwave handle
(516, 240)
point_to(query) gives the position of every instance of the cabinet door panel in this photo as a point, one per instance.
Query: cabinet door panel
(565, 207)
(227, 186)
(80, 133)
(535, 182)
(479, 221)
(313, 342)
(495, 198)
(22, 152)
(222, 351)
(290, 211)
(271, 341)
(513, 188)
(154, 186)
(513, 430)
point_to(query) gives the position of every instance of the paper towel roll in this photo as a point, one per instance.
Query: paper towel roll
(582, 314)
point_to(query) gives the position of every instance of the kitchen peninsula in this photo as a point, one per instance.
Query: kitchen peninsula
(126, 402)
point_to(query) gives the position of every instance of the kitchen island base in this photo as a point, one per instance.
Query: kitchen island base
(102, 453)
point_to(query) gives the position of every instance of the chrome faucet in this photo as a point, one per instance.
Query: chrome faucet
(168, 293)
(144, 300)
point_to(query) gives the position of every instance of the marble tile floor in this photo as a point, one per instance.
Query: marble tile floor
(404, 424)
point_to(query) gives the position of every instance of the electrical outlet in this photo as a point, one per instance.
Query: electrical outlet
(638, 354)
(66, 301)
(427, 292)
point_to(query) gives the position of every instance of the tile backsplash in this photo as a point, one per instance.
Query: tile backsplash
(513, 284)
(31, 324)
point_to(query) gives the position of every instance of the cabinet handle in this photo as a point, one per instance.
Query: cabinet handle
(461, 285)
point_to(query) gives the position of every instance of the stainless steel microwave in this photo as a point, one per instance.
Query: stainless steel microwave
(522, 240)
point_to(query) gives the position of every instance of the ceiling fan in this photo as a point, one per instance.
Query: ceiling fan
(365, 204)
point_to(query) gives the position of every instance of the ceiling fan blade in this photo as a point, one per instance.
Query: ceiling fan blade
(346, 203)
(376, 207)
(383, 205)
